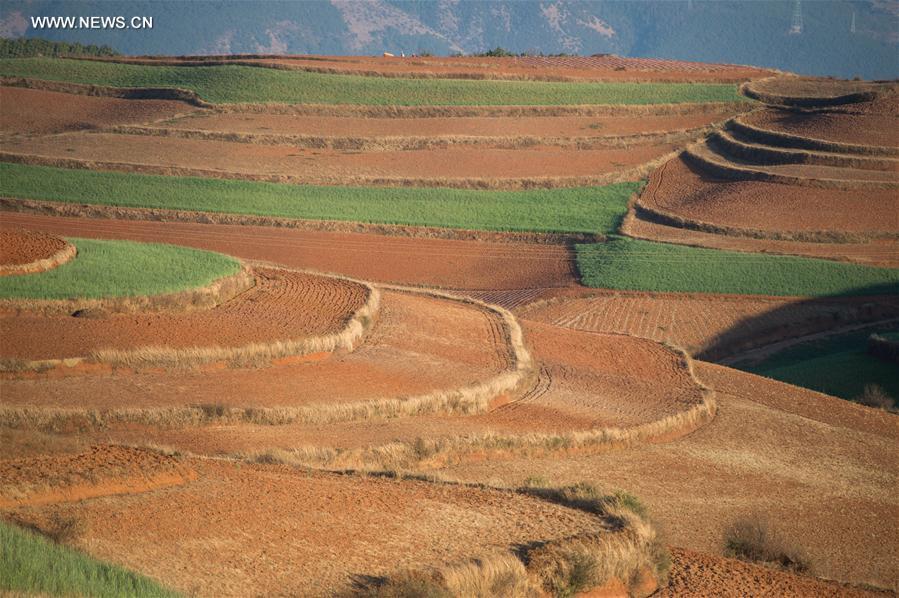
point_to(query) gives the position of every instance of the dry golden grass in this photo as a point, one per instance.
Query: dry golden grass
(66, 254)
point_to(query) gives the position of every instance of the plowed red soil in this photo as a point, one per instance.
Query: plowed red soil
(699, 574)
(861, 129)
(546, 126)
(266, 530)
(708, 326)
(101, 471)
(20, 246)
(324, 166)
(878, 252)
(418, 345)
(686, 191)
(282, 306)
(433, 262)
(608, 67)
(803, 459)
(35, 111)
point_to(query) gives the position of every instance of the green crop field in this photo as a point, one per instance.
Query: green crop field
(624, 263)
(586, 210)
(231, 83)
(31, 564)
(121, 269)
(838, 365)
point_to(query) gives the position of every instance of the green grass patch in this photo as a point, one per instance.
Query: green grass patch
(31, 564)
(838, 365)
(631, 264)
(230, 84)
(121, 269)
(582, 210)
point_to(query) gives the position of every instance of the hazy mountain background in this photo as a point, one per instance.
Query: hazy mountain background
(740, 31)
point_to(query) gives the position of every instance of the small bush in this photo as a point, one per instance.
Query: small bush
(752, 539)
(411, 584)
(64, 529)
(875, 396)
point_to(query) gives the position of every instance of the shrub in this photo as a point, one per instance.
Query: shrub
(64, 529)
(410, 584)
(752, 539)
(875, 396)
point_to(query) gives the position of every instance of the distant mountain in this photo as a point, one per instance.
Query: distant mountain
(843, 38)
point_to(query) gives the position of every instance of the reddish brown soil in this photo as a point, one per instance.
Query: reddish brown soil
(433, 262)
(698, 574)
(418, 345)
(823, 470)
(33, 111)
(607, 67)
(879, 252)
(708, 326)
(282, 306)
(269, 530)
(860, 129)
(20, 246)
(356, 127)
(685, 191)
(326, 166)
(102, 471)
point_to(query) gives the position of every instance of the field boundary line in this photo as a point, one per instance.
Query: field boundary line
(64, 255)
(773, 137)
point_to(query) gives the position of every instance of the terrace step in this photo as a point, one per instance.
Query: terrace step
(754, 134)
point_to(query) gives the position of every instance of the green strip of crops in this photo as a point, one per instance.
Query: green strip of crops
(840, 366)
(630, 264)
(582, 210)
(30, 564)
(121, 269)
(230, 84)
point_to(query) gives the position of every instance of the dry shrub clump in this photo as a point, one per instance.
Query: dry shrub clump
(875, 396)
(63, 529)
(751, 538)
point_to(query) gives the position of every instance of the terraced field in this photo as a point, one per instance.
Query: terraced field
(373, 297)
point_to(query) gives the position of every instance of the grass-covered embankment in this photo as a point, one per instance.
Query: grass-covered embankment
(838, 365)
(33, 565)
(233, 84)
(631, 264)
(578, 210)
(121, 269)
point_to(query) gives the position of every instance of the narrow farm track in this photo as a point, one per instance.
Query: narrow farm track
(444, 263)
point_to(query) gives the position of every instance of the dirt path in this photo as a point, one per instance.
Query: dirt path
(433, 262)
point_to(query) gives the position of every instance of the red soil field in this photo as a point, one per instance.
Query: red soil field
(38, 112)
(348, 126)
(600, 68)
(282, 306)
(695, 574)
(267, 530)
(418, 345)
(707, 326)
(443, 263)
(324, 166)
(101, 471)
(762, 453)
(20, 246)
(681, 189)
(860, 129)
(878, 252)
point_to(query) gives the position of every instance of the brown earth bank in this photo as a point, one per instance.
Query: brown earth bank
(281, 306)
(818, 93)
(822, 470)
(699, 574)
(20, 247)
(876, 252)
(101, 471)
(267, 530)
(447, 263)
(860, 129)
(599, 68)
(707, 326)
(359, 127)
(449, 166)
(39, 112)
(419, 345)
(757, 207)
